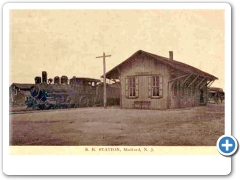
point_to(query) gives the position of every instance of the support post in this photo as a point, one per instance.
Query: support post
(104, 79)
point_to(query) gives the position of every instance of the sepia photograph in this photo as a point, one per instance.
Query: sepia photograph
(116, 77)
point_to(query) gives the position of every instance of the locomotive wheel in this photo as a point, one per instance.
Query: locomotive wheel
(47, 105)
(35, 90)
(93, 104)
(41, 106)
(83, 102)
(70, 100)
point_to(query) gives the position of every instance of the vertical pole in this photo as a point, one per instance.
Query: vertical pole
(168, 96)
(104, 81)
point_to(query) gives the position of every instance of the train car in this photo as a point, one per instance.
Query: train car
(113, 94)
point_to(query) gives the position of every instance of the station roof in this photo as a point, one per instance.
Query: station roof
(172, 63)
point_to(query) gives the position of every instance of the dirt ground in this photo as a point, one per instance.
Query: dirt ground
(198, 126)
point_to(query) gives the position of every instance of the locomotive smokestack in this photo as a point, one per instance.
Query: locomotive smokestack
(37, 80)
(44, 76)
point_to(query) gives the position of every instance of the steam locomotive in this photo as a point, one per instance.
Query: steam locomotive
(73, 93)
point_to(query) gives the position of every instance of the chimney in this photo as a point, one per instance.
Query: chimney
(170, 55)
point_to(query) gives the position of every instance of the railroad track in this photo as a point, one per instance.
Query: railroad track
(27, 111)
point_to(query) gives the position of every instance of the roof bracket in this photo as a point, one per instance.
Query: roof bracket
(209, 84)
(178, 78)
(193, 81)
(200, 82)
(186, 79)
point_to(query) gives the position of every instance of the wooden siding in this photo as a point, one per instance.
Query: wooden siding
(144, 68)
(189, 99)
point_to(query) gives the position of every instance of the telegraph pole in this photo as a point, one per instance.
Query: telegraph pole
(104, 79)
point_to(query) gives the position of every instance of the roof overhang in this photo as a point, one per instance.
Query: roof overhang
(114, 72)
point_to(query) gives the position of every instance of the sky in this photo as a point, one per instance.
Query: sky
(67, 42)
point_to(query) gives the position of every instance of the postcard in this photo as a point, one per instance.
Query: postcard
(117, 89)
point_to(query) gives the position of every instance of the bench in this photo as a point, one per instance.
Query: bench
(141, 104)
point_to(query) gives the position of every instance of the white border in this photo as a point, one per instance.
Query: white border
(117, 6)
(115, 165)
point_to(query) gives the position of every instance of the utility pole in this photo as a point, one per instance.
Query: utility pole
(104, 79)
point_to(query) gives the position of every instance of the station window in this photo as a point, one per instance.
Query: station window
(131, 87)
(155, 86)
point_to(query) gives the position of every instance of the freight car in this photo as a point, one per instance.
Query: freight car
(63, 93)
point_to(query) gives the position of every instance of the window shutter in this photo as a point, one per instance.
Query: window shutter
(137, 87)
(149, 86)
(126, 88)
(160, 86)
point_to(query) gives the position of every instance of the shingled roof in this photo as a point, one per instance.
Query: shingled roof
(172, 63)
